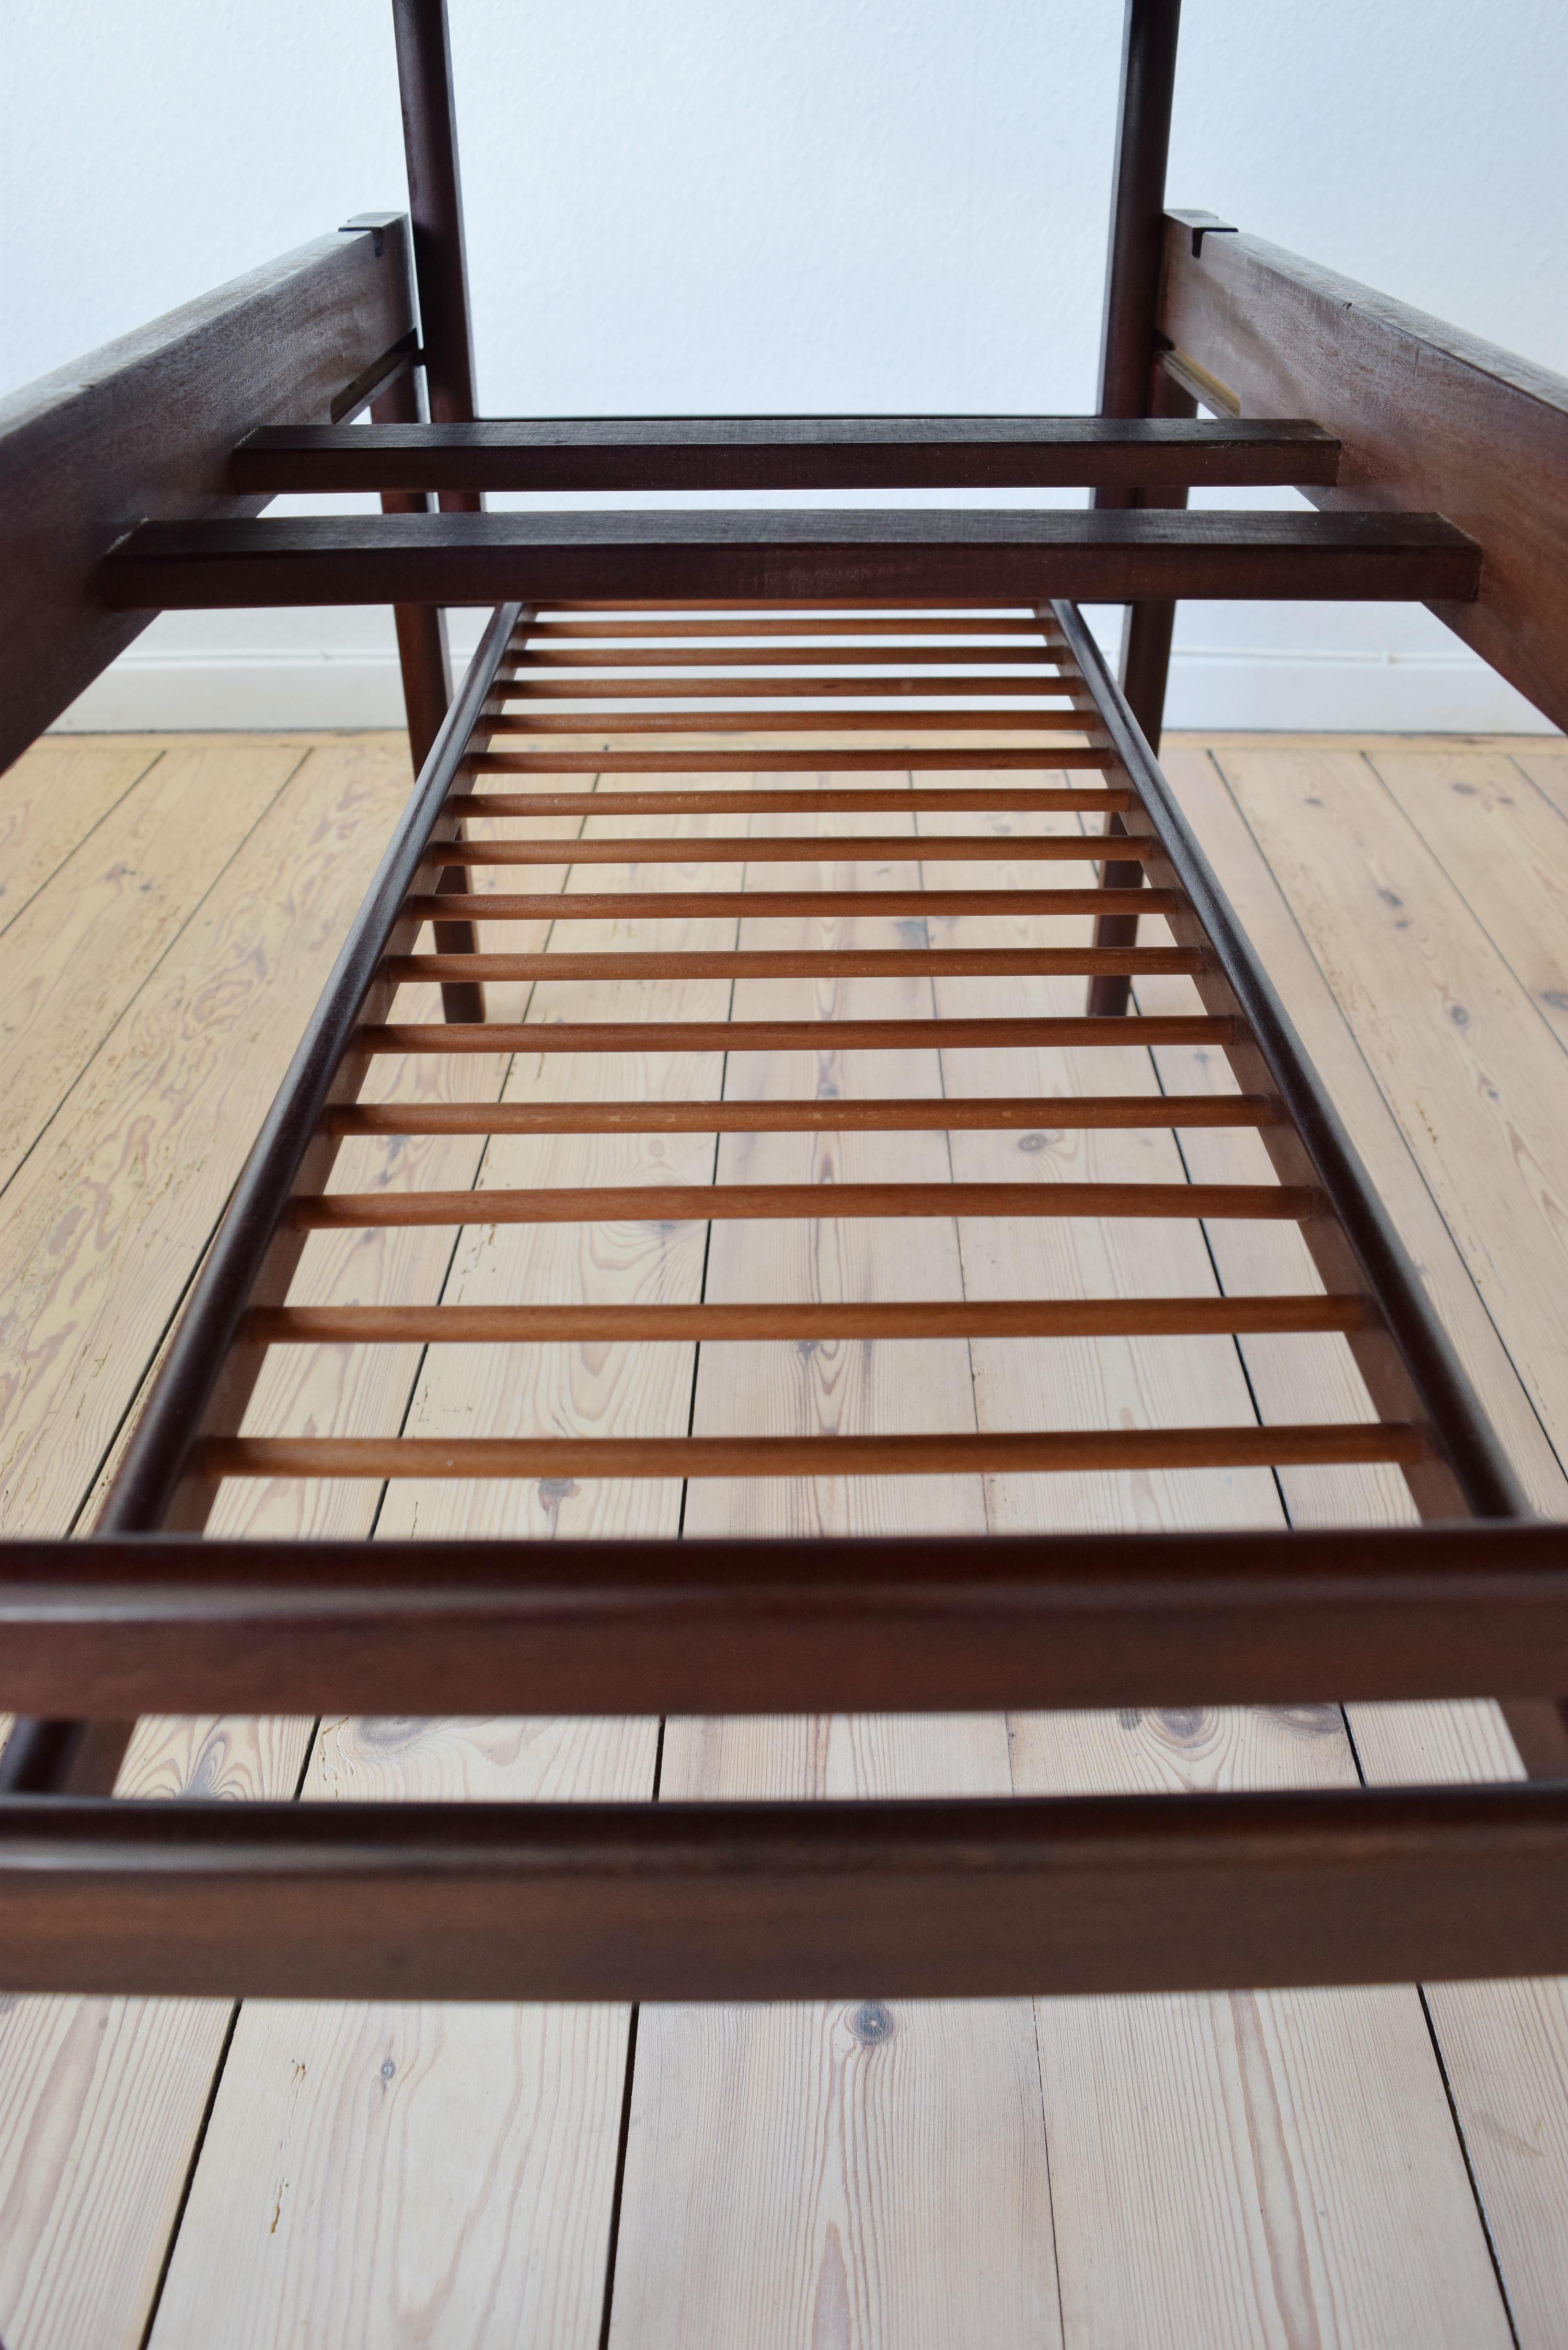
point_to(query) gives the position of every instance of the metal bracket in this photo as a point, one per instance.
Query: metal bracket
(374, 224)
(1202, 224)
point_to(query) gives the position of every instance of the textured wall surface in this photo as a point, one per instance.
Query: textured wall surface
(849, 205)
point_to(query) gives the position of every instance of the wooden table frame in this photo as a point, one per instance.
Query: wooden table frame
(1441, 469)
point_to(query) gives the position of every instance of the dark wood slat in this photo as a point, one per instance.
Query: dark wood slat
(817, 801)
(879, 613)
(167, 1624)
(803, 848)
(1430, 416)
(769, 624)
(935, 1454)
(952, 1113)
(717, 1202)
(1017, 553)
(791, 1036)
(562, 659)
(761, 452)
(972, 759)
(1053, 1318)
(806, 721)
(748, 688)
(747, 1901)
(764, 904)
(147, 425)
(804, 963)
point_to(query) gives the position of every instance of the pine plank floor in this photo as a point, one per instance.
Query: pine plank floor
(1378, 2167)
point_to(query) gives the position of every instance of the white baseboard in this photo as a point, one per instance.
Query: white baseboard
(1251, 688)
(1225, 689)
(250, 693)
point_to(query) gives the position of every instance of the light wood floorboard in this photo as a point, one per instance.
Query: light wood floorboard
(1276, 2168)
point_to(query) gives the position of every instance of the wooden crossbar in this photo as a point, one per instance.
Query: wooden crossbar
(711, 1202)
(948, 1113)
(932, 1454)
(794, 1035)
(808, 962)
(845, 848)
(817, 759)
(768, 905)
(911, 800)
(1053, 1317)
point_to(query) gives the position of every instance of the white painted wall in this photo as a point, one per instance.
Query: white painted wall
(838, 204)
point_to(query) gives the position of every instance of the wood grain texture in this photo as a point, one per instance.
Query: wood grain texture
(1504, 846)
(1436, 1014)
(1428, 416)
(1504, 2045)
(1022, 554)
(1283, 2145)
(321, 2205)
(380, 2174)
(110, 1213)
(1211, 2183)
(746, 452)
(105, 2098)
(75, 956)
(101, 2100)
(1395, 1155)
(147, 425)
(50, 806)
(829, 2173)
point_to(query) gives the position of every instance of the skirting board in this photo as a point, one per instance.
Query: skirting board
(1230, 689)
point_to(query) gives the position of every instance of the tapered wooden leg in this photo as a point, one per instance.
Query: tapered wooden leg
(1145, 669)
(426, 662)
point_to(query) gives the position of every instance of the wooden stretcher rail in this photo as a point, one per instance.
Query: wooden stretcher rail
(805, 962)
(952, 1113)
(1051, 1317)
(766, 905)
(599, 687)
(1019, 555)
(251, 1261)
(767, 624)
(566, 660)
(789, 722)
(743, 848)
(824, 1202)
(1410, 1368)
(759, 452)
(744, 1900)
(936, 1453)
(791, 1036)
(817, 759)
(170, 1624)
(822, 801)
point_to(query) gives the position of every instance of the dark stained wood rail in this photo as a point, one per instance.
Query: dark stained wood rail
(744, 1900)
(805, 962)
(1049, 1317)
(934, 1453)
(1429, 416)
(798, 453)
(818, 645)
(165, 1624)
(716, 1203)
(889, 553)
(765, 905)
(791, 1036)
(952, 1113)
